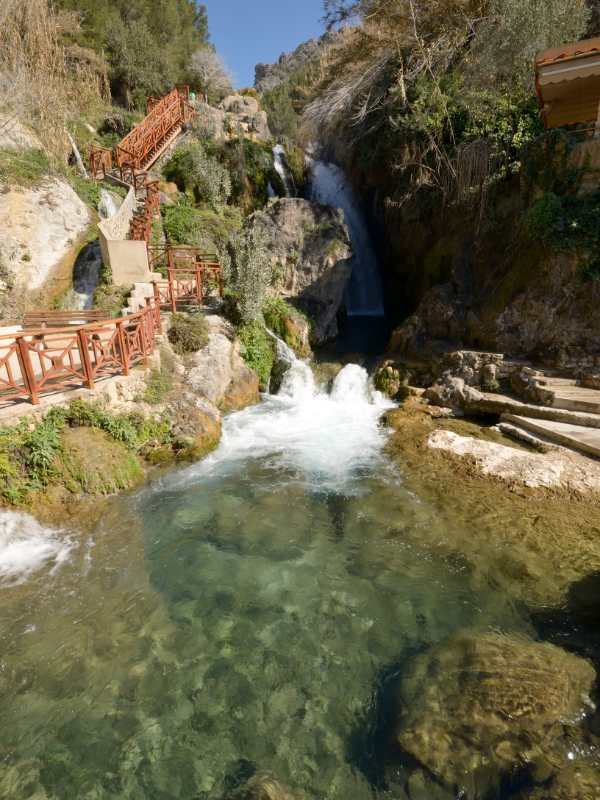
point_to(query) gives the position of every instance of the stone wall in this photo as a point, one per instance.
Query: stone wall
(127, 259)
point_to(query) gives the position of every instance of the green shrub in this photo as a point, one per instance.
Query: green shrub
(545, 216)
(195, 170)
(182, 224)
(188, 333)
(251, 269)
(88, 190)
(23, 167)
(257, 350)
(284, 320)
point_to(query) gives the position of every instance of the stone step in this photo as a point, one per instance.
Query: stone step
(523, 436)
(576, 437)
(501, 404)
(577, 398)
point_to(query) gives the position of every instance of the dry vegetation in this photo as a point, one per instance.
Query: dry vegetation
(43, 82)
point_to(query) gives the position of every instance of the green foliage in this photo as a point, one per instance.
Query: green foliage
(571, 224)
(548, 163)
(182, 223)
(296, 161)
(188, 333)
(23, 167)
(108, 297)
(41, 446)
(148, 45)
(257, 350)
(284, 320)
(251, 269)
(250, 166)
(200, 174)
(158, 387)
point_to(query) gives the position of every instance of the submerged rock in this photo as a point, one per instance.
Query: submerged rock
(484, 705)
(580, 782)
(264, 787)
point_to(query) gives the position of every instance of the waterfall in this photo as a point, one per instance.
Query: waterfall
(107, 207)
(85, 275)
(330, 437)
(89, 261)
(281, 169)
(329, 186)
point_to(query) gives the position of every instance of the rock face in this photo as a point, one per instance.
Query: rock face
(269, 76)
(310, 253)
(483, 705)
(581, 782)
(218, 372)
(245, 111)
(40, 226)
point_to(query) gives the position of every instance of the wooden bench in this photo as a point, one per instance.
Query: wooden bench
(60, 319)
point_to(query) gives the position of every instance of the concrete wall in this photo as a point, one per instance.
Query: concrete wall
(128, 260)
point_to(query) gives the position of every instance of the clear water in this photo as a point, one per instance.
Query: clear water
(244, 613)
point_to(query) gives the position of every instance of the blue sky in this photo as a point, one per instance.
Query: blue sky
(248, 31)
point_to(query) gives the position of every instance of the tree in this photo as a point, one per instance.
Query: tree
(210, 74)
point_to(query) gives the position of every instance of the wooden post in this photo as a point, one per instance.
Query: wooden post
(172, 291)
(199, 284)
(85, 358)
(123, 348)
(27, 369)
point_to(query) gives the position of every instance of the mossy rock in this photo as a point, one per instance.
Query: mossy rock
(93, 463)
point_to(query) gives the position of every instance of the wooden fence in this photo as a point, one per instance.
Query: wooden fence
(37, 362)
(46, 359)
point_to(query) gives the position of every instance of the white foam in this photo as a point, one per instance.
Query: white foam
(26, 547)
(329, 438)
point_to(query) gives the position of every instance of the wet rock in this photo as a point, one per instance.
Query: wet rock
(195, 425)
(310, 254)
(581, 782)
(264, 787)
(218, 372)
(484, 705)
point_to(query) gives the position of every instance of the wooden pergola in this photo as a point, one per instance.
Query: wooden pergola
(568, 83)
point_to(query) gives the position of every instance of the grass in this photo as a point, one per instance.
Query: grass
(23, 167)
(32, 458)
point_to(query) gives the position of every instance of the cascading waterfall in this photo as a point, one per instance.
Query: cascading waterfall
(87, 267)
(281, 169)
(330, 437)
(329, 186)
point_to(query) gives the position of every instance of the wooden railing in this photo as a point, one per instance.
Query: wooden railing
(101, 161)
(141, 223)
(48, 359)
(37, 362)
(145, 142)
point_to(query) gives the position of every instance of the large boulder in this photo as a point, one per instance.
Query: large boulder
(42, 229)
(482, 706)
(218, 372)
(244, 111)
(195, 425)
(310, 253)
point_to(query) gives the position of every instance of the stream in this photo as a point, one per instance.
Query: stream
(241, 614)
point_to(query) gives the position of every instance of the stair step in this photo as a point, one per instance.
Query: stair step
(577, 398)
(523, 436)
(501, 404)
(575, 437)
